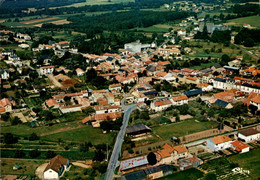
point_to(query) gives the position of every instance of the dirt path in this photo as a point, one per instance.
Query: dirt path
(39, 170)
(54, 81)
(61, 130)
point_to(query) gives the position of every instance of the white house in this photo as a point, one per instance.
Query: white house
(219, 143)
(80, 72)
(249, 135)
(106, 109)
(115, 87)
(180, 100)
(46, 70)
(23, 36)
(4, 74)
(161, 105)
(181, 32)
(56, 167)
(240, 146)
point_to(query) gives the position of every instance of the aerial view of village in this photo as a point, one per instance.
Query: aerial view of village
(129, 89)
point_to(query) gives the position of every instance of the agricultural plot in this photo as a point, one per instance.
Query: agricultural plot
(95, 2)
(252, 20)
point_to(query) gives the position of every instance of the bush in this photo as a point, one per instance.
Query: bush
(33, 137)
(34, 153)
(130, 151)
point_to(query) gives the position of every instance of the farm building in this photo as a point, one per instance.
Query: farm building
(137, 129)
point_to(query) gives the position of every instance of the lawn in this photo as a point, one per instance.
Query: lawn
(28, 166)
(249, 161)
(190, 174)
(203, 66)
(83, 134)
(252, 20)
(182, 128)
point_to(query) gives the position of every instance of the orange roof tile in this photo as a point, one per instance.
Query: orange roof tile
(180, 149)
(162, 103)
(179, 98)
(239, 145)
(220, 139)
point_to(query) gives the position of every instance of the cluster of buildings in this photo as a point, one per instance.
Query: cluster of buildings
(182, 157)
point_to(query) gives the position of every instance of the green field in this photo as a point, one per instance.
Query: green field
(95, 2)
(83, 134)
(156, 28)
(249, 161)
(28, 166)
(254, 21)
(182, 128)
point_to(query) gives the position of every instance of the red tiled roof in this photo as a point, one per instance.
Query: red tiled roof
(179, 98)
(162, 103)
(239, 145)
(4, 102)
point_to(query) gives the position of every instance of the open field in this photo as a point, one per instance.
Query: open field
(60, 22)
(28, 166)
(200, 52)
(156, 28)
(249, 161)
(83, 134)
(95, 2)
(252, 20)
(182, 128)
(39, 20)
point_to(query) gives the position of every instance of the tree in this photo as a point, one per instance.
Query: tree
(151, 157)
(16, 120)
(99, 155)
(224, 59)
(50, 154)
(84, 147)
(19, 154)
(144, 115)
(33, 137)
(88, 111)
(177, 119)
(10, 139)
(210, 176)
(34, 153)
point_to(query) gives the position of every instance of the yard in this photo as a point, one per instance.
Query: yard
(28, 166)
(182, 128)
(83, 134)
(249, 161)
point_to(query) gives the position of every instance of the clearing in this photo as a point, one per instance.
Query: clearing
(39, 20)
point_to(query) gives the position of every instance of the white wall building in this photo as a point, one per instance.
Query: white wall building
(219, 143)
(46, 70)
(249, 135)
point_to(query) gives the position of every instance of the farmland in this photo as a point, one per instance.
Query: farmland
(95, 2)
(252, 20)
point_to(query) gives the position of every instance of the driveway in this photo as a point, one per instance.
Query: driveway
(40, 169)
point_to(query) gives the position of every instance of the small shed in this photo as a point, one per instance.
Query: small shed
(17, 167)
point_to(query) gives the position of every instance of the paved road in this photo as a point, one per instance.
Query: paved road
(119, 140)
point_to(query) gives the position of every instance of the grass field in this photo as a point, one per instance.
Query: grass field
(252, 20)
(156, 28)
(95, 2)
(182, 128)
(84, 134)
(249, 161)
(200, 52)
(189, 174)
(28, 166)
